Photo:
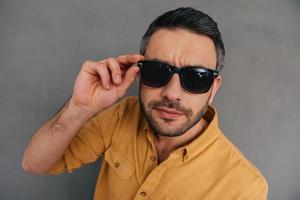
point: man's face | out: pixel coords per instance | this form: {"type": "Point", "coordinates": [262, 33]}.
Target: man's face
{"type": "Point", "coordinates": [170, 110]}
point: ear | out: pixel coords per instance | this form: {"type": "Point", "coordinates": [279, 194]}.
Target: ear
{"type": "Point", "coordinates": [216, 85]}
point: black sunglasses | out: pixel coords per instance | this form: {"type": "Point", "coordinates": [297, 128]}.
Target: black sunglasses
{"type": "Point", "coordinates": [193, 79]}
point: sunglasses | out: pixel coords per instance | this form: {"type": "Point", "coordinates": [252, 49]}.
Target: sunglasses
{"type": "Point", "coordinates": [193, 79]}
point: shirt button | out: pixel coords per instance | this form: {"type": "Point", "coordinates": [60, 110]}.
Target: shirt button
{"type": "Point", "coordinates": [116, 164]}
{"type": "Point", "coordinates": [153, 158]}
{"type": "Point", "coordinates": [143, 193]}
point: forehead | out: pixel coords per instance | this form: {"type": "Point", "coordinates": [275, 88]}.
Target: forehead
{"type": "Point", "coordinates": [181, 47]}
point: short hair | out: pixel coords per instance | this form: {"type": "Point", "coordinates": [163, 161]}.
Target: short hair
{"type": "Point", "coordinates": [192, 20]}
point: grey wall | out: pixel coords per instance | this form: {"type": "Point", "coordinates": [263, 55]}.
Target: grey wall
{"type": "Point", "coordinates": [43, 44]}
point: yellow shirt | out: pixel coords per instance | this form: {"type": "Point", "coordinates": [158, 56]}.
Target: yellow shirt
{"type": "Point", "coordinates": [209, 168]}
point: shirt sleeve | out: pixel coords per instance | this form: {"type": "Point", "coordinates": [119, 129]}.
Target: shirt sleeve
{"type": "Point", "coordinates": [90, 142]}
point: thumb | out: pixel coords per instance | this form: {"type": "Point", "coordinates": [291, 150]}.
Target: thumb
{"type": "Point", "coordinates": [128, 80]}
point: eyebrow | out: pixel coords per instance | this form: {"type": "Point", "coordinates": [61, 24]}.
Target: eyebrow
{"type": "Point", "coordinates": [166, 62]}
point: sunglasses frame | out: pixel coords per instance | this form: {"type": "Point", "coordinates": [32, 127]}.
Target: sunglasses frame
{"type": "Point", "coordinates": [174, 69]}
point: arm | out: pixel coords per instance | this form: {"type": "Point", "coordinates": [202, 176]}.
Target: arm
{"type": "Point", "coordinates": [96, 88]}
{"type": "Point", "coordinates": [50, 141]}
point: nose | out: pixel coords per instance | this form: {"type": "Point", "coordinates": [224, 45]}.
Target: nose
{"type": "Point", "coordinates": [173, 90]}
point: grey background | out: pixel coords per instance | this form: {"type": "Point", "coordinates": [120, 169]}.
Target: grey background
{"type": "Point", "coordinates": [43, 44]}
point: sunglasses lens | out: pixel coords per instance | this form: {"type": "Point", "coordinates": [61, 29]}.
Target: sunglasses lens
{"type": "Point", "coordinates": [193, 79]}
{"type": "Point", "coordinates": [154, 74]}
{"type": "Point", "coordinates": [196, 80]}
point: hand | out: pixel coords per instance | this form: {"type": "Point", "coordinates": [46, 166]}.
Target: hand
{"type": "Point", "coordinates": [100, 84]}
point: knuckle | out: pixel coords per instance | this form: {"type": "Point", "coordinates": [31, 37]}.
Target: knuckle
{"type": "Point", "coordinates": [121, 56]}
{"type": "Point", "coordinates": [111, 60]}
{"type": "Point", "coordinates": [87, 62]}
{"type": "Point", "coordinates": [102, 67]}
{"type": "Point", "coordinates": [114, 65]}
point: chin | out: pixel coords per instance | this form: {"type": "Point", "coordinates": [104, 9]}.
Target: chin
{"type": "Point", "coordinates": [168, 129]}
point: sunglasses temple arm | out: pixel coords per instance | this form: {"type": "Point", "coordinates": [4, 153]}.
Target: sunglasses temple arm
{"type": "Point", "coordinates": [215, 74]}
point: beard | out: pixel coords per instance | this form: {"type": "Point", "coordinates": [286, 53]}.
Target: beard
{"type": "Point", "coordinates": [163, 127]}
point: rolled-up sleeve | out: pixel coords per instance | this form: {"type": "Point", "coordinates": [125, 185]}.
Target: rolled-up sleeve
{"type": "Point", "coordinates": [90, 143]}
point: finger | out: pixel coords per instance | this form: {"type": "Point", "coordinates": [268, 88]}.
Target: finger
{"type": "Point", "coordinates": [102, 70]}
{"type": "Point", "coordinates": [128, 79]}
{"type": "Point", "coordinates": [89, 67]}
{"type": "Point", "coordinates": [129, 59]}
{"type": "Point", "coordinates": [115, 69]}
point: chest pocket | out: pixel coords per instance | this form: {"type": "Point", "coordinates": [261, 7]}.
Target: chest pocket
{"type": "Point", "coordinates": [121, 166]}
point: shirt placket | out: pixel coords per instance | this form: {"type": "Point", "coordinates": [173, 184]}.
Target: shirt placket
{"type": "Point", "coordinates": [149, 185]}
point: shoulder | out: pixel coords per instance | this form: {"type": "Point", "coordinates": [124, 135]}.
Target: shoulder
{"type": "Point", "coordinates": [128, 103]}
{"type": "Point", "coordinates": [125, 113]}
{"type": "Point", "coordinates": [243, 171]}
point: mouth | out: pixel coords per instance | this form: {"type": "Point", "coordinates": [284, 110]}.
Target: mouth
{"type": "Point", "coordinates": [167, 113]}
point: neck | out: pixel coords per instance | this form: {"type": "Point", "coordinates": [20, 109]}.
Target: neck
{"type": "Point", "coordinates": [166, 145]}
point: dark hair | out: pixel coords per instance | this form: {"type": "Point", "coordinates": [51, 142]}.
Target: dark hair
{"type": "Point", "coordinates": [190, 19]}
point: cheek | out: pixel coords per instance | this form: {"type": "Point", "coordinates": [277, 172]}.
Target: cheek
{"type": "Point", "coordinates": [198, 102]}
{"type": "Point", "coordinates": [148, 93]}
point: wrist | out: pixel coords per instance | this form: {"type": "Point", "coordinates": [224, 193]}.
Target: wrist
{"type": "Point", "coordinates": [78, 113]}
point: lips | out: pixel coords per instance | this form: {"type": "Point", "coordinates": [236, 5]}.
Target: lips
{"type": "Point", "coordinates": [167, 113]}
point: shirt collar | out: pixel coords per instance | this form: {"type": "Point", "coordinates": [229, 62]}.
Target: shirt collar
{"type": "Point", "coordinates": [201, 142]}
{"type": "Point", "coordinates": [206, 137]}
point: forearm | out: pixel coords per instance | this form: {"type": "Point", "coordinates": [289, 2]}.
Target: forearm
{"type": "Point", "coordinates": [49, 143]}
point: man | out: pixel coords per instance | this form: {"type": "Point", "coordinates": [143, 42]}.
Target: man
{"type": "Point", "coordinates": [164, 145]}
